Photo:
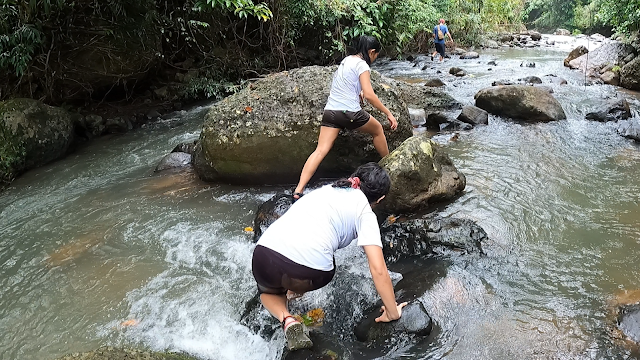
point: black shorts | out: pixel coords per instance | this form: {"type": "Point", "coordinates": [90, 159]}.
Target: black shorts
{"type": "Point", "coordinates": [440, 48]}
{"type": "Point", "coordinates": [342, 119]}
{"type": "Point", "coordinates": [275, 273]}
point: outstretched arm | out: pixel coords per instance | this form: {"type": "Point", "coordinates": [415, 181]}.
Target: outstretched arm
{"type": "Point", "coordinates": [391, 310]}
{"type": "Point", "coordinates": [449, 33]}
{"type": "Point", "coordinates": [372, 98]}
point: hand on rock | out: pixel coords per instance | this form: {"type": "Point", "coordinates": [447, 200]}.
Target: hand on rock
{"type": "Point", "coordinates": [385, 314]}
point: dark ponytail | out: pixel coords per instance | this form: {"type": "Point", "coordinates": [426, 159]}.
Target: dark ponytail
{"type": "Point", "coordinates": [362, 45]}
{"type": "Point", "coordinates": [374, 181]}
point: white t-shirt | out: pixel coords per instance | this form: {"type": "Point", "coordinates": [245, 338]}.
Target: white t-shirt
{"type": "Point", "coordinates": [321, 222]}
{"type": "Point", "coordinates": [345, 88]}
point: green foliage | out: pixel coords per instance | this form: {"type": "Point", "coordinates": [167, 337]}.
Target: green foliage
{"type": "Point", "coordinates": [550, 14]}
{"type": "Point", "coordinates": [209, 87]}
{"type": "Point", "coordinates": [624, 16]}
{"type": "Point", "coordinates": [241, 8]}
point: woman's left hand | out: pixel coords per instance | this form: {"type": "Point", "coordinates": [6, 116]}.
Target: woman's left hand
{"type": "Point", "coordinates": [392, 121]}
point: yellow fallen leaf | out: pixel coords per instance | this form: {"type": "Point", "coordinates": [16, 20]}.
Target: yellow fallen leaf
{"type": "Point", "coordinates": [248, 229]}
{"type": "Point", "coordinates": [391, 219]}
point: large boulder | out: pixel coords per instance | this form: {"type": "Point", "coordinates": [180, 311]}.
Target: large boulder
{"type": "Point", "coordinates": [265, 132]}
{"type": "Point", "coordinates": [424, 97]}
{"type": "Point", "coordinates": [32, 134]}
{"type": "Point", "coordinates": [520, 102]}
{"type": "Point", "coordinates": [610, 54]}
{"type": "Point", "coordinates": [630, 75]}
{"type": "Point", "coordinates": [629, 322]}
{"type": "Point", "coordinates": [421, 174]}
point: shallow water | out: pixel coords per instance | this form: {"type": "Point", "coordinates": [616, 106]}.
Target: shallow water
{"type": "Point", "coordinates": [96, 239]}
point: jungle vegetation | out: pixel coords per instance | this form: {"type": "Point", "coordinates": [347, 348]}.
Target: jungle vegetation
{"type": "Point", "coordinates": [228, 40]}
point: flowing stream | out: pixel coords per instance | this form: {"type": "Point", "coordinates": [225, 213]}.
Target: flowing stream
{"type": "Point", "coordinates": [97, 250]}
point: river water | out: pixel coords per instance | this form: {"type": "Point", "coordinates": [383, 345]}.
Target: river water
{"type": "Point", "coordinates": [95, 250]}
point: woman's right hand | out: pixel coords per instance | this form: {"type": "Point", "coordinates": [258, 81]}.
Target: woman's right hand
{"type": "Point", "coordinates": [392, 121]}
{"type": "Point", "coordinates": [385, 314]}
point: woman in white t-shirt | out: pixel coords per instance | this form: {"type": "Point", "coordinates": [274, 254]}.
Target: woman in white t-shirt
{"type": "Point", "coordinates": [351, 83]}
{"type": "Point", "coordinates": [295, 254]}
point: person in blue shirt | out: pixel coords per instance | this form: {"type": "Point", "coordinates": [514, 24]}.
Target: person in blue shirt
{"type": "Point", "coordinates": [440, 42]}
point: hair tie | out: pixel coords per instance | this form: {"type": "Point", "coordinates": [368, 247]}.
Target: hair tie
{"type": "Point", "coordinates": [355, 182]}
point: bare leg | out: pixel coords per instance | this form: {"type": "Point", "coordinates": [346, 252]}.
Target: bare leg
{"type": "Point", "coordinates": [374, 128]}
{"type": "Point", "coordinates": [276, 304]}
{"type": "Point", "coordinates": [326, 139]}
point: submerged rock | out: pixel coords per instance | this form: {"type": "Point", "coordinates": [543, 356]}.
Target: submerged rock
{"type": "Point", "coordinates": [110, 353]}
{"type": "Point", "coordinates": [174, 160]}
{"type": "Point", "coordinates": [421, 174]}
{"type": "Point", "coordinates": [431, 236]}
{"type": "Point", "coordinates": [265, 132]}
{"type": "Point", "coordinates": [415, 320]}
{"type": "Point", "coordinates": [268, 212]}
{"type": "Point", "coordinates": [520, 102]}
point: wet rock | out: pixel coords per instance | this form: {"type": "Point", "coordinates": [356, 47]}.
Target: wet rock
{"type": "Point", "coordinates": [608, 54]}
{"type": "Point", "coordinates": [630, 129]}
{"type": "Point", "coordinates": [431, 236]}
{"type": "Point", "coordinates": [535, 36]}
{"type": "Point", "coordinates": [415, 320]}
{"type": "Point", "coordinates": [492, 62]}
{"type": "Point", "coordinates": [435, 120]}
{"type": "Point", "coordinates": [556, 80]}
{"type": "Point", "coordinates": [506, 38]}
{"type": "Point", "coordinates": [574, 54]}
{"type": "Point", "coordinates": [325, 347]}
{"type": "Point", "coordinates": [528, 64]}
{"type": "Point", "coordinates": [265, 132]}
{"type": "Point", "coordinates": [270, 211]}
{"type": "Point", "coordinates": [520, 102]}
{"type": "Point", "coordinates": [531, 80]}
{"type": "Point", "coordinates": [94, 124]}
{"type": "Point", "coordinates": [110, 353]}
{"type": "Point", "coordinates": [474, 115]}
{"type": "Point", "coordinates": [33, 134]}
{"type": "Point", "coordinates": [470, 55]}
{"type": "Point", "coordinates": [424, 97]}
{"type": "Point", "coordinates": [614, 111]}
{"type": "Point", "coordinates": [629, 322]}
{"type": "Point", "coordinates": [456, 71]}
{"type": "Point", "coordinates": [502, 83]}
{"type": "Point", "coordinates": [434, 83]}
{"type": "Point", "coordinates": [421, 174]}
{"type": "Point", "coordinates": [455, 125]}
{"type": "Point", "coordinates": [458, 51]}
{"type": "Point", "coordinates": [611, 78]}
{"type": "Point", "coordinates": [630, 75]}
{"type": "Point", "coordinates": [188, 148]}
{"type": "Point", "coordinates": [174, 160]}
{"type": "Point", "coordinates": [563, 32]}
{"type": "Point", "coordinates": [118, 125]}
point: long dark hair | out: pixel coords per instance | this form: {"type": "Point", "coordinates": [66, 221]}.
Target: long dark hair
{"type": "Point", "coordinates": [374, 181]}
{"type": "Point", "coordinates": [362, 45]}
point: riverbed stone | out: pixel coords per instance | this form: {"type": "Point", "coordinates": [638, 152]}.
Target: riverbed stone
{"type": "Point", "coordinates": [520, 102]}
{"type": "Point", "coordinates": [415, 320]}
{"type": "Point", "coordinates": [563, 32]}
{"type": "Point", "coordinates": [33, 134]}
{"type": "Point", "coordinates": [612, 53]}
{"type": "Point", "coordinates": [531, 80]}
{"type": "Point", "coordinates": [424, 97]}
{"type": "Point", "coordinates": [435, 82]}
{"type": "Point", "coordinates": [431, 236]}
{"type": "Point", "coordinates": [613, 111]}
{"type": "Point", "coordinates": [422, 174]}
{"type": "Point", "coordinates": [264, 133]}
{"type": "Point", "coordinates": [469, 55]}
{"type": "Point", "coordinates": [575, 53]}
{"type": "Point", "coordinates": [474, 115]}
{"type": "Point", "coordinates": [630, 75]}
